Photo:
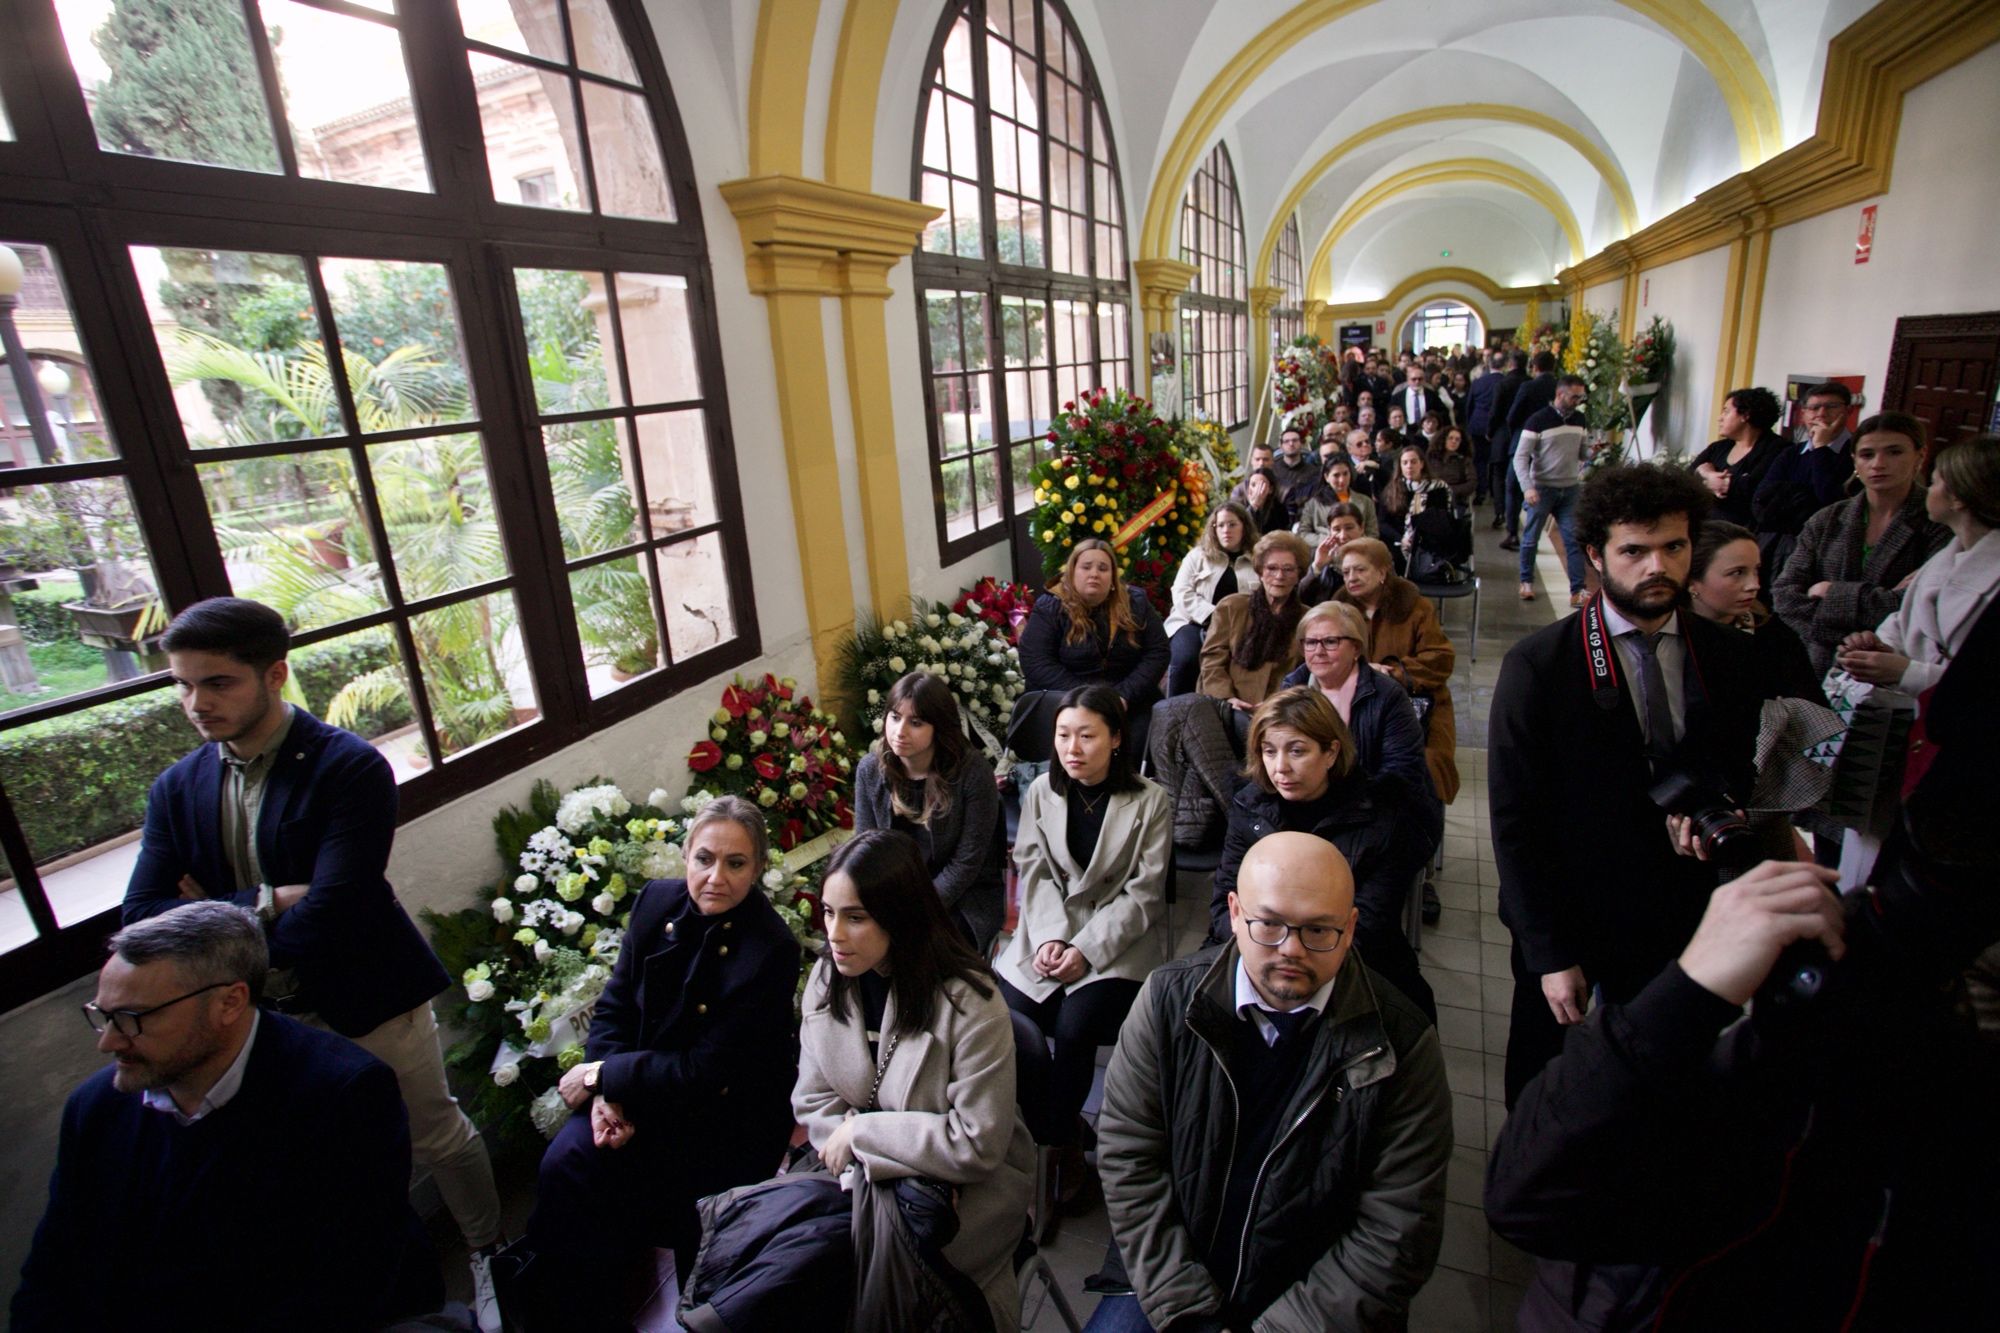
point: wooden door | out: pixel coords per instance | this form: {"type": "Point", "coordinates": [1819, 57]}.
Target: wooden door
{"type": "Point", "coordinates": [1942, 370]}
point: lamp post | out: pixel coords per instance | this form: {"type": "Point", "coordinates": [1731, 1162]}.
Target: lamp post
{"type": "Point", "coordinates": [12, 276]}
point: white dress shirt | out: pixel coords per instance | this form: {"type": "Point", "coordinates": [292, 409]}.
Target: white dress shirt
{"type": "Point", "coordinates": [219, 1096]}
{"type": "Point", "coordinates": [1672, 652]}
{"type": "Point", "coordinates": [1249, 1004]}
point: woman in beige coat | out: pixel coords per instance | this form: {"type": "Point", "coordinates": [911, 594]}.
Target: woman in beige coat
{"type": "Point", "coordinates": [1251, 642]}
{"type": "Point", "coordinates": [906, 1057]}
{"type": "Point", "coordinates": [1092, 859]}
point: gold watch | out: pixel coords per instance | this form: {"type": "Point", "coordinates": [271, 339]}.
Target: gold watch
{"type": "Point", "coordinates": [590, 1073]}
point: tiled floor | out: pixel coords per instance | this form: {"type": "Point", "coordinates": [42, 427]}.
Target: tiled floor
{"type": "Point", "coordinates": [1478, 1282]}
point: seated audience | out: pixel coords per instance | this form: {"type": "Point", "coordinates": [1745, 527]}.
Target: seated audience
{"type": "Point", "coordinates": [302, 835]}
{"type": "Point", "coordinates": [1305, 776]}
{"type": "Point", "coordinates": [906, 1060]}
{"type": "Point", "coordinates": [1367, 467]}
{"type": "Point", "coordinates": [1409, 493]}
{"type": "Point", "coordinates": [1311, 1197]}
{"type": "Point", "coordinates": [1250, 644]}
{"type": "Point", "coordinates": [1912, 647]}
{"type": "Point", "coordinates": [1388, 735]}
{"type": "Point", "coordinates": [927, 781]}
{"type": "Point", "coordinates": [1264, 501]}
{"type": "Point", "coordinates": [1734, 466]}
{"type": "Point", "coordinates": [1723, 582]}
{"type": "Point", "coordinates": [1216, 568]}
{"type": "Point", "coordinates": [1805, 478]}
{"type": "Point", "coordinates": [1092, 859]}
{"type": "Point", "coordinates": [231, 1169]}
{"type": "Point", "coordinates": [1260, 456]}
{"type": "Point", "coordinates": [1295, 463]}
{"type": "Point", "coordinates": [1335, 488]}
{"type": "Point", "coordinates": [1854, 560]}
{"type": "Point", "coordinates": [1452, 462]}
{"type": "Point", "coordinates": [1407, 642]}
{"type": "Point", "coordinates": [690, 1043]}
{"type": "Point", "coordinates": [1343, 525]}
{"type": "Point", "coordinates": [1094, 630]}
{"type": "Point", "coordinates": [1429, 427]}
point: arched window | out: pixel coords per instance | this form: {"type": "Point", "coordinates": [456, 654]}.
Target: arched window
{"type": "Point", "coordinates": [1022, 282]}
{"type": "Point", "coordinates": [1215, 311]}
{"type": "Point", "coordinates": [398, 318]}
{"type": "Point", "coordinates": [1288, 317]}
{"type": "Point", "coordinates": [1442, 324]}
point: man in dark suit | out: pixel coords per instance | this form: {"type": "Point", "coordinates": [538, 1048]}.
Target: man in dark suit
{"type": "Point", "coordinates": [1529, 399]}
{"type": "Point", "coordinates": [1479, 421]}
{"type": "Point", "coordinates": [232, 1169]}
{"type": "Point", "coordinates": [292, 818]}
{"type": "Point", "coordinates": [1414, 398]}
{"type": "Point", "coordinates": [1499, 453]}
{"type": "Point", "coordinates": [1587, 715]}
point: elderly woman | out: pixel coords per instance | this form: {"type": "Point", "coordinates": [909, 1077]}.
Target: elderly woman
{"type": "Point", "coordinates": [1322, 581]}
{"type": "Point", "coordinates": [1093, 630]}
{"type": "Point", "coordinates": [1336, 488]}
{"type": "Point", "coordinates": [1406, 642]}
{"type": "Point", "coordinates": [1218, 567]}
{"type": "Point", "coordinates": [1388, 737]}
{"type": "Point", "coordinates": [1250, 644]}
{"type": "Point", "coordinates": [1092, 857]}
{"type": "Point", "coordinates": [1854, 559]}
{"type": "Point", "coordinates": [1304, 778]}
{"type": "Point", "coordinates": [691, 1042]}
{"type": "Point", "coordinates": [926, 781]}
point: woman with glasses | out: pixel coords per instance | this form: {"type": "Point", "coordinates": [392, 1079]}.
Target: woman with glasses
{"type": "Point", "coordinates": [1304, 778]}
{"type": "Point", "coordinates": [1388, 737]}
{"type": "Point", "coordinates": [1250, 645]}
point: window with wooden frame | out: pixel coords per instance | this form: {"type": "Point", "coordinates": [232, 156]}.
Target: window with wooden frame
{"type": "Point", "coordinates": [1215, 310]}
{"type": "Point", "coordinates": [402, 322]}
{"type": "Point", "coordinates": [1021, 282]}
{"type": "Point", "coordinates": [1288, 317]}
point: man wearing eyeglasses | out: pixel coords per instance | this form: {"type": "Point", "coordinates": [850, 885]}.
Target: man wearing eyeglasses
{"type": "Point", "coordinates": [1276, 1122]}
{"type": "Point", "coordinates": [1806, 477]}
{"type": "Point", "coordinates": [231, 1169]}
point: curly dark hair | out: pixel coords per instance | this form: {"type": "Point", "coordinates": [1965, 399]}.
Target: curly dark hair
{"type": "Point", "coordinates": [1759, 407]}
{"type": "Point", "coordinates": [1637, 493]}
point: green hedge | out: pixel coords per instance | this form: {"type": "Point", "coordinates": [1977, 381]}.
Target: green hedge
{"type": "Point", "coordinates": [40, 614]}
{"type": "Point", "coordinates": [75, 781]}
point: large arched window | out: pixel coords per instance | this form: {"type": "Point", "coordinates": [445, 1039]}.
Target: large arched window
{"type": "Point", "coordinates": [1021, 283]}
{"type": "Point", "coordinates": [1288, 317]}
{"type": "Point", "coordinates": [396, 317]}
{"type": "Point", "coordinates": [1215, 311]}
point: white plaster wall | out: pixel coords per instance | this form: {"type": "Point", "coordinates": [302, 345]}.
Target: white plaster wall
{"type": "Point", "coordinates": [1605, 297]}
{"type": "Point", "coordinates": [1689, 294]}
{"type": "Point", "coordinates": [1933, 252]}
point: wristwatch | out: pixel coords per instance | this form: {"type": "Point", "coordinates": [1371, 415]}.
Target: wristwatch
{"type": "Point", "coordinates": [590, 1072]}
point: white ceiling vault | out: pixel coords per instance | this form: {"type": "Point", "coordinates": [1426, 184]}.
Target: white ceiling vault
{"type": "Point", "coordinates": [1520, 135]}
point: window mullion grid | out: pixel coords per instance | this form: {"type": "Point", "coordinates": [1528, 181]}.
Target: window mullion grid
{"type": "Point", "coordinates": [637, 463]}
{"type": "Point", "coordinates": [274, 98]}
{"type": "Point", "coordinates": [371, 505]}
{"type": "Point", "coordinates": [27, 875]}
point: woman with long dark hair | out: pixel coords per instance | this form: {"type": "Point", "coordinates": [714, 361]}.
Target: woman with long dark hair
{"type": "Point", "coordinates": [1724, 578]}
{"type": "Point", "coordinates": [1094, 630]}
{"type": "Point", "coordinates": [1092, 859]}
{"type": "Point", "coordinates": [1451, 462]}
{"type": "Point", "coordinates": [906, 1059]}
{"type": "Point", "coordinates": [927, 781]}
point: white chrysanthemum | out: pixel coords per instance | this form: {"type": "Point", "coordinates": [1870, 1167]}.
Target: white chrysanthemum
{"type": "Point", "coordinates": [503, 910]}
{"type": "Point", "coordinates": [664, 860]}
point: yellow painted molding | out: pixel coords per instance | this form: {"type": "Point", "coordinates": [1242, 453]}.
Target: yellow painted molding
{"type": "Point", "coordinates": [1628, 303]}
{"type": "Point", "coordinates": [1450, 171]}
{"type": "Point", "coordinates": [1463, 277]}
{"type": "Point", "coordinates": [787, 210]}
{"type": "Point", "coordinates": [1317, 320]}
{"type": "Point", "coordinates": [865, 30]}
{"type": "Point", "coordinates": [1607, 169]}
{"type": "Point", "coordinates": [865, 340]}
{"type": "Point", "coordinates": [1870, 67]}
{"type": "Point", "coordinates": [1161, 282]}
{"type": "Point", "coordinates": [1693, 24]}
{"type": "Point", "coordinates": [1401, 316]}
{"type": "Point", "coordinates": [1742, 306]}
{"type": "Point", "coordinates": [1263, 300]}
{"type": "Point", "coordinates": [778, 65]}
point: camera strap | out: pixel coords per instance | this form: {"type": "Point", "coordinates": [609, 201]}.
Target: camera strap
{"type": "Point", "coordinates": [1601, 658]}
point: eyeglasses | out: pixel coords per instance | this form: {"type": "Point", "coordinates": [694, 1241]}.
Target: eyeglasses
{"type": "Point", "coordinates": [1326, 645]}
{"type": "Point", "coordinates": [1271, 935]}
{"type": "Point", "coordinates": [1277, 570]}
{"type": "Point", "coordinates": [127, 1020]}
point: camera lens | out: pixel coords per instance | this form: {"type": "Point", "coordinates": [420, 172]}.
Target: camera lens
{"type": "Point", "coordinates": [1726, 838]}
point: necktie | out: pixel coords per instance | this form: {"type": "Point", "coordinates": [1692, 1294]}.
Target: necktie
{"type": "Point", "coordinates": [1289, 1025]}
{"type": "Point", "coordinates": [1653, 683]}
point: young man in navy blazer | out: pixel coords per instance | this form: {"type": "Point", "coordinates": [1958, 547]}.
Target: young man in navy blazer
{"type": "Point", "coordinates": [232, 1168]}
{"type": "Point", "coordinates": [292, 818]}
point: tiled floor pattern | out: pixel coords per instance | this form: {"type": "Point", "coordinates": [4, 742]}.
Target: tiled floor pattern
{"type": "Point", "coordinates": [1477, 1285]}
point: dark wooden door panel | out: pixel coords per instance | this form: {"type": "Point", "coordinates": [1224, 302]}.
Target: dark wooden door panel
{"type": "Point", "coordinates": [1942, 370]}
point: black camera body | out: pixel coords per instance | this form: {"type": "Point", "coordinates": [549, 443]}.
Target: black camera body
{"type": "Point", "coordinates": [1724, 835]}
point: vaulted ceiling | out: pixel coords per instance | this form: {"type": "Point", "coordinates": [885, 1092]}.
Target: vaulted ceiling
{"type": "Point", "coordinates": [1519, 135]}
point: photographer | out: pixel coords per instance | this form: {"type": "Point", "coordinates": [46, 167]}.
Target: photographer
{"type": "Point", "coordinates": [1589, 717]}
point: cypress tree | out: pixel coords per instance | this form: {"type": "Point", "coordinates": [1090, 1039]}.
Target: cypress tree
{"type": "Point", "coordinates": [184, 84]}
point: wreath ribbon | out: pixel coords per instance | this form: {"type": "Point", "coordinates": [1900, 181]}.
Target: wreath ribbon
{"type": "Point", "coordinates": [1146, 517]}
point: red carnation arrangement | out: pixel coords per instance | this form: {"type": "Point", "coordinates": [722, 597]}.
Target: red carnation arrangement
{"type": "Point", "coordinates": [769, 744]}
{"type": "Point", "coordinates": [1001, 604]}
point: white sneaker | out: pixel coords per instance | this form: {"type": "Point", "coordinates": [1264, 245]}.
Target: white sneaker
{"type": "Point", "coordinates": [485, 1303]}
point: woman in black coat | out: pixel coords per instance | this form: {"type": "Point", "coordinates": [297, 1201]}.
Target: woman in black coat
{"type": "Point", "coordinates": [686, 1086]}
{"type": "Point", "coordinates": [1304, 778]}
{"type": "Point", "coordinates": [1734, 466]}
{"type": "Point", "coordinates": [1093, 630]}
{"type": "Point", "coordinates": [928, 782]}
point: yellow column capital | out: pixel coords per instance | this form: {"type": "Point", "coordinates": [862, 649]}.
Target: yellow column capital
{"type": "Point", "coordinates": [1319, 318]}
{"type": "Point", "coordinates": [1263, 300]}
{"type": "Point", "coordinates": [1161, 282]}
{"type": "Point", "coordinates": [790, 216]}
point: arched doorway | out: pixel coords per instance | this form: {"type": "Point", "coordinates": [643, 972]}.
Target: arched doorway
{"type": "Point", "coordinates": [1441, 323]}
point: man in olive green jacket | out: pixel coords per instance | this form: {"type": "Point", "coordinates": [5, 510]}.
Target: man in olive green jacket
{"type": "Point", "coordinates": [1276, 1123]}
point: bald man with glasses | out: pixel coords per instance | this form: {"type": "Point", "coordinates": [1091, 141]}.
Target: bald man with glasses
{"type": "Point", "coordinates": [1276, 1122]}
{"type": "Point", "coordinates": [230, 1168]}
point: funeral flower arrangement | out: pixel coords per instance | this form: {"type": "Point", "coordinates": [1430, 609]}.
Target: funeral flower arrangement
{"type": "Point", "coordinates": [1596, 354]}
{"type": "Point", "coordinates": [1305, 376]}
{"type": "Point", "coordinates": [1652, 360]}
{"type": "Point", "coordinates": [1001, 604]}
{"type": "Point", "coordinates": [972, 656]}
{"type": "Point", "coordinates": [1118, 474]}
{"type": "Point", "coordinates": [769, 744]}
{"type": "Point", "coordinates": [534, 957]}
{"type": "Point", "coordinates": [1206, 442]}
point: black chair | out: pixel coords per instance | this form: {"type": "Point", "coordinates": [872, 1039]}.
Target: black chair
{"type": "Point", "coordinates": [1032, 1065]}
{"type": "Point", "coordinates": [1441, 593]}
